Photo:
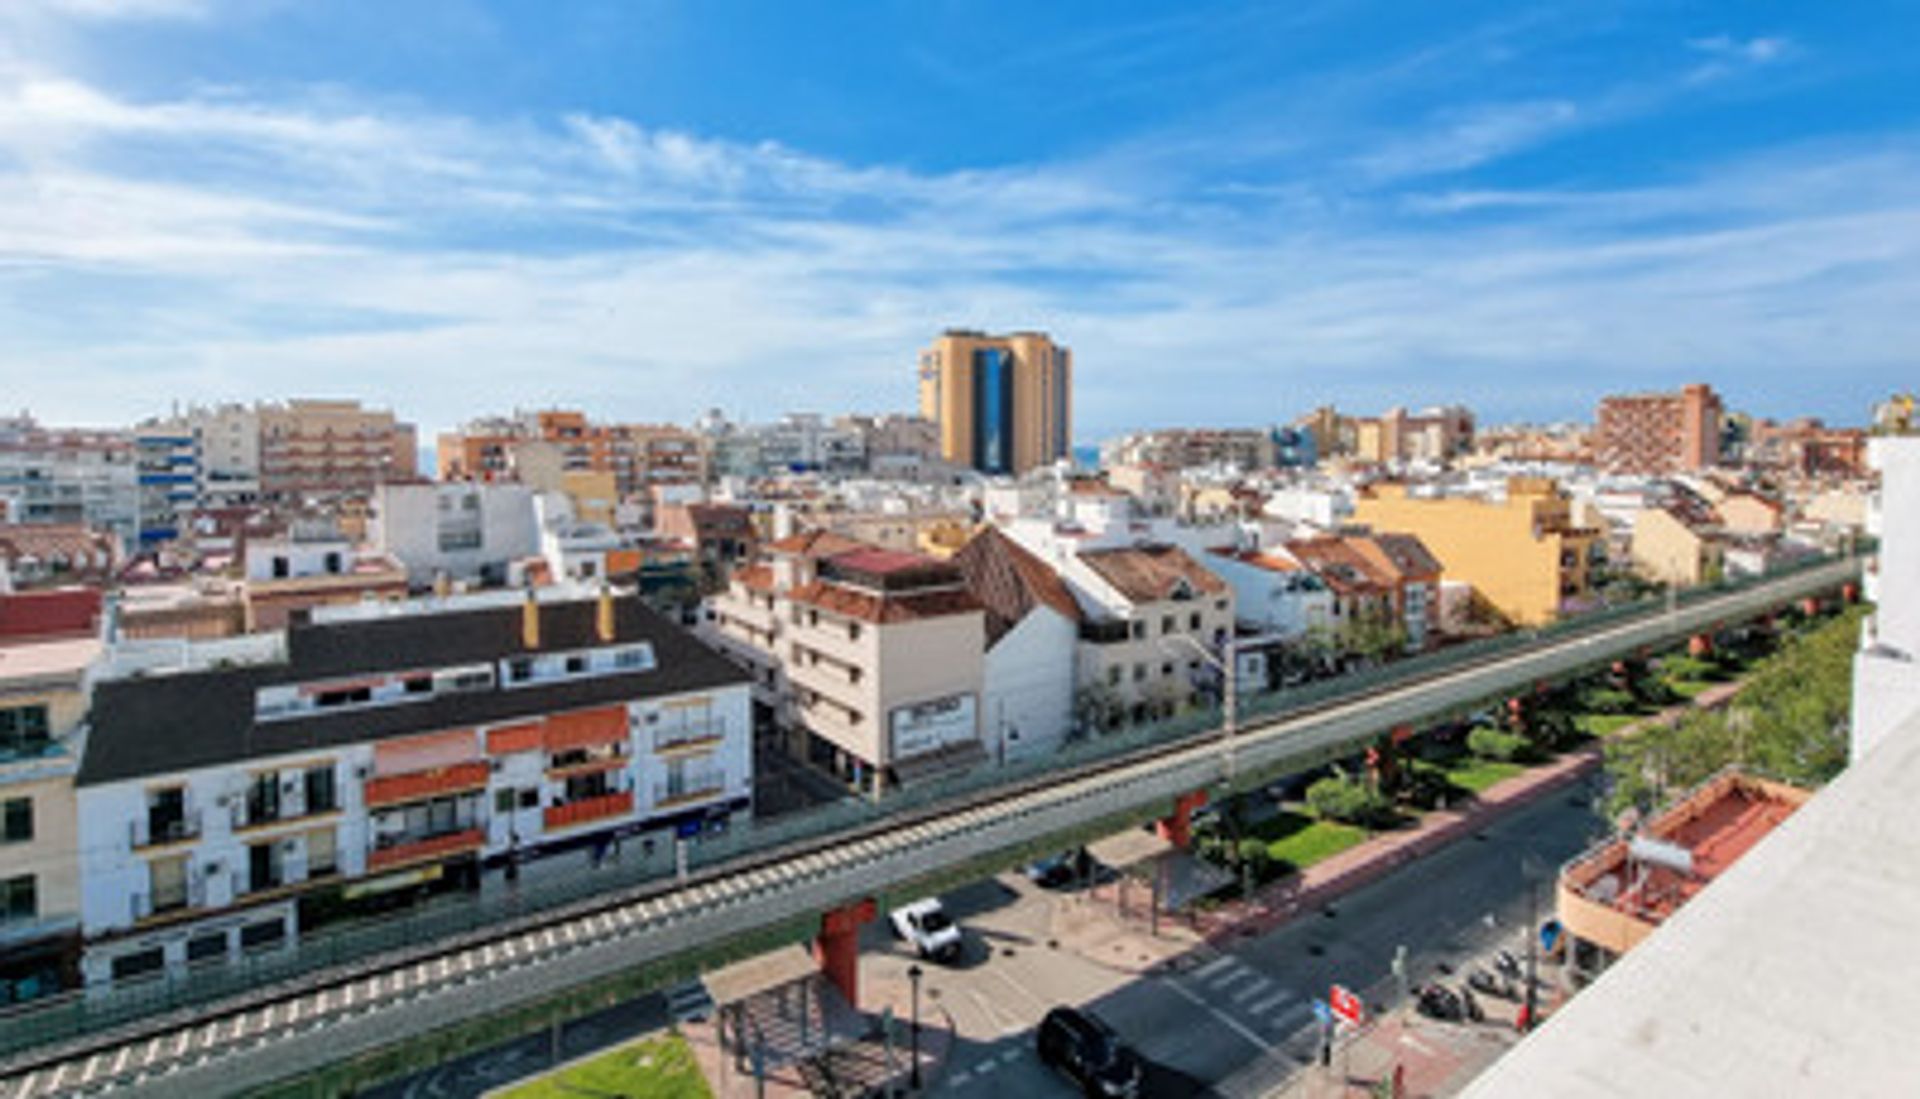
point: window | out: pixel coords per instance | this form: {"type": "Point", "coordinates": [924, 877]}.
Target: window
{"type": "Point", "coordinates": [1166, 670]}
{"type": "Point", "coordinates": [1139, 630]}
{"type": "Point", "coordinates": [263, 866]}
{"type": "Point", "coordinates": [167, 815]}
{"type": "Point", "coordinates": [322, 853]}
{"type": "Point", "coordinates": [1193, 621]}
{"type": "Point", "coordinates": [503, 801]}
{"type": "Point", "coordinates": [23, 729]}
{"type": "Point", "coordinates": [418, 684]}
{"type": "Point", "coordinates": [16, 820]}
{"type": "Point", "coordinates": [576, 664]}
{"type": "Point", "coordinates": [167, 883]}
{"type": "Point", "coordinates": [1113, 676]}
{"type": "Point", "coordinates": [530, 798]}
{"type": "Point", "coordinates": [520, 669]}
{"type": "Point", "coordinates": [321, 796]}
{"type": "Point", "coordinates": [347, 697]}
{"type": "Point", "coordinates": [853, 631]}
{"type": "Point", "coordinates": [206, 948]}
{"type": "Point", "coordinates": [1139, 673]}
{"type": "Point", "coordinates": [1166, 623]}
{"type": "Point", "coordinates": [263, 798]}
{"type": "Point", "coordinates": [19, 899]}
{"type": "Point", "coordinates": [263, 934]}
{"type": "Point", "coordinates": [139, 964]}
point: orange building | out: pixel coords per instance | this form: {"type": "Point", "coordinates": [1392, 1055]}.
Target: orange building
{"type": "Point", "coordinates": [1660, 432]}
{"type": "Point", "coordinates": [638, 455]}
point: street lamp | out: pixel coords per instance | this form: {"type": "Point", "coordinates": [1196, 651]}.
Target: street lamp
{"type": "Point", "coordinates": [1534, 870]}
{"type": "Point", "coordinates": [913, 1077]}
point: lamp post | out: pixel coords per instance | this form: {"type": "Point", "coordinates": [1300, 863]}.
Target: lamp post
{"type": "Point", "coordinates": [913, 1032]}
{"type": "Point", "coordinates": [1534, 870]}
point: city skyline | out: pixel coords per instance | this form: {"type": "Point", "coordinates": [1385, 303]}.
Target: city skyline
{"type": "Point", "coordinates": [1232, 215]}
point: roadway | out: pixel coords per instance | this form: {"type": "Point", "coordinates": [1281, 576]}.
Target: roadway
{"type": "Point", "coordinates": [1237, 1023]}
{"type": "Point", "coordinates": [320, 1022]}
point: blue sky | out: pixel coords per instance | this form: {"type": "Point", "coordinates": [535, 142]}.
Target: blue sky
{"type": "Point", "coordinates": [1232, 212]}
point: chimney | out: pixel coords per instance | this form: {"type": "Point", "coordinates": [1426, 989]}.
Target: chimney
{"type": "Point", "coordinates": [603, 617]}
{"type": "Point", "coordinates": [530, 621]}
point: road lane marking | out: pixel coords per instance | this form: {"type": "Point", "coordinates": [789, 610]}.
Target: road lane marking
{"type": "Point", "coordinates": [1224, 959]}
{"type": "Point", "coordinates": [1232, 1023]}
{"type": "Point", "coordinates": [1219, 984]}
{"type": "Point", "coordinates": [1293, 1017]}
{"type": "Point", "coordinates": [1271, 1002]}
{"type": "Point", "coordinates": [1259, 985]}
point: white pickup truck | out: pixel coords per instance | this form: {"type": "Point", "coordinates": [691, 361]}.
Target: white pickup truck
{"type": "Point", "coordinates": [926, 925]}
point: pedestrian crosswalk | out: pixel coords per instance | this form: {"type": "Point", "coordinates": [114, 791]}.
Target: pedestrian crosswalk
{"type": "Point", "coordinates": [1229, 985]}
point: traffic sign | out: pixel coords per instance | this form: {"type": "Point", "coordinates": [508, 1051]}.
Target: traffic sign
{"type": "Point", "coordinates": [1346, 1005]}
{"type": "Point", "coordinates": [1321, 1011]}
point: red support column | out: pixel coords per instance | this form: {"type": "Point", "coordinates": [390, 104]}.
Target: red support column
{"type": "Point", "coordinates": [1699, 645]}
{"type": "Point", "coordinates": [1177, 829]}
{"type": "Point", "coordinates": [1810, 606]}
{"type": "Point", "coordinates": [1850, 594]}
{"type": "Point", "coordinates": [837, 950]}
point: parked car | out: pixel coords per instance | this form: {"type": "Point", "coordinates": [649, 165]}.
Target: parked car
{"type": "Point", "coordinates": [929, 929]}
{"type": "Point", "coordinates": [1088, 1052]}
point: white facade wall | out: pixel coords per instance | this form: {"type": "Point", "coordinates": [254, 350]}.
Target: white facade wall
{"type": "Point", "coordinates": [1886, 677]}
{"type": "Point", "coordinates": [115, 876]}
{"type": "Point", "coordinates": [1270, 601]}
{"type": "Point", "coordinates": [464, 530]}
{"type": "Point", "coordinates": [1029, 686]}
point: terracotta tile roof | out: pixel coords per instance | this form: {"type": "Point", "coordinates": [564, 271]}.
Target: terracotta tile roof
{"type": "Point", "coordinates": [868, 606]}
{"type": "Point", "coordinates": [1149, 574]}
{"type": "Point", "coordinates": [1403, 554]}
{"type": "Point", "coordinates": [882, 561]}
{"type": "Point", "coordinates": [1010, 582]}
{"type": "Point", "coordinates": [47, 542]}
{"type": "Point", "coordinates": [755, 577]}
{"type": "Point", "coordinates": [1270, 562]}
{"type": "Point", "coordinates": [1345, 569]}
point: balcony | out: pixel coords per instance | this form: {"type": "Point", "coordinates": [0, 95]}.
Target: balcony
{"type": "Point", "coordinates": [155, 830]}
{"type": "Point", "coordinates": [690, 788]}
{"type": "Point", "coordinates": [422, 848]}
{"type": "Point", "coordinates": [395, 789]}
{"type": "Point", "coordinates": [587, 810]}
{"type": "Point", "coordinates": [668, 737]}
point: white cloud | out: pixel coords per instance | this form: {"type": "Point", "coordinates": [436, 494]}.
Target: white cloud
{"type": "Point", "coordinates": [121, 9]}
{"type": "Point", "coordinates": [1729, 55]}
{"type": "Point", "coordinates": [451, 266]}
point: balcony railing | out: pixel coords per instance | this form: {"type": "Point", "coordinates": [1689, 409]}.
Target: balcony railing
{"type": "Point", "coordinates": [395, 789]}
{"type": "Point", "coordinates": [420, 848]}
{"type": "Point", "coordinates": [588, 809]}
{"type": "Point", "coordinates": [666, 737]}
{"type": "Point", "coordinates": [691, 788]}
{"type": "Point", "coordinates": [152, 831]}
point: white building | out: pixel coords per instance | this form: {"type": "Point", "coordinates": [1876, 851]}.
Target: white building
{"type": "Point", "coordinates": [69, 476]}
{"type": "Point", "coordinates": [1273, 592]}
{"type": "Point", "coordinates": [1886, 679]}
{"type": "Point", "coordinates": [1033, 629]}
{"type": "Point", "coordinates": [385, 747]}
{"type": "Point", "coordinates": [465, 530]}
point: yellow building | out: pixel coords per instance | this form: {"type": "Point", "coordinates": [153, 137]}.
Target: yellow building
{"type": "Point", "coordinates": [1002, 404]}
{"type": "Point", "coordinates": [1670, 550]}
{"type": "Point", "coordinates": [1524, 555]}
{"type": "Point", "coordinates": [42, 702]}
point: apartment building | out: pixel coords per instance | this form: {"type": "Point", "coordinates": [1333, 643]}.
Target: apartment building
{"type": "Point", "coordinates": [167, 469]}
{"type": "Point", "coordinates": [1152, 613]}
{"type": "Point", "coordinates": [43, 684]}
{"type": "Point", "coordinates": [1193, 448]}
{"type": "Point", "coordinates": [869, 661]}
{"type": "Point", "coordinates": [1004, 404]}
{"type": "Point", "coordinates": [1274, 593]}
{"type": "Point", "coordinates": [1386, 580]}
{"type": "Point", "coordinates": [637, 455]}
{"type": "Point", "coordinates": [312, 567]}
{"type": "Point", "coordinates": [1433, 436]}
{"type": "Point", "coordinates": [1671, 546]}
{"type": "Point", "coordinates": [233, 798]}
{"type": "Point", "coordinates": [1886, 691]}
{"type": "Point", "coordinates": [69, 476]}
{"type": "Point", "coordinates": [460, 530]}
{"type": "Point", "coordinates": [1521, 550]}
{"type": "Point", "coordinates": [331, 448]}
{"type": "Point", "coordinates": [1659, 432]}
